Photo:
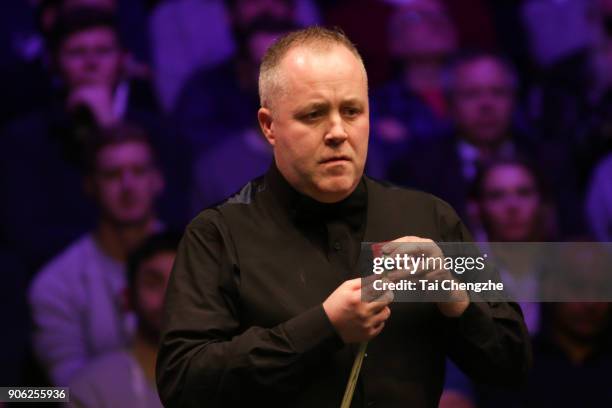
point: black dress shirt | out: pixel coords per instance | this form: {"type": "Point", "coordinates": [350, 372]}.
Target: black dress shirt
{"type": "Point", "coordinates": [244, 323]}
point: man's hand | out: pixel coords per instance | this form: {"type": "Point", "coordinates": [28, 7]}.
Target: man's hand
{"type": "Point", "coordinates": [355, 320]}
{"type": "Point", "coordinates": [458, 300]}
{"type": "Point", "coordinates": [98, 99]}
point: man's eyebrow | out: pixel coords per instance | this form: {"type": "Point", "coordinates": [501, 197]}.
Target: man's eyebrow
{"type": "Point", "coordinates": [312, 106]}
{"type": "Point", "coordinates": [352, 101]}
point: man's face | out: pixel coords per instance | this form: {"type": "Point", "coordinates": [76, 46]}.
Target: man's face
{"type": "Point", "coordinates": [583, 321]}
{"type": "Point", "coordinates": [319, 122]}
{"type": "Point", "coordinates": [90, 57]}
{"type": "Point", "coordinates": [150, 283]}
{"type": "Point", "coordinates": [425, 30]}
{"type": "Point", "coordinates": [126, 182]}
{"type": "Point", "coordinates": [510, 203]}
{"type": "Point", "coordinates": [483, 101]}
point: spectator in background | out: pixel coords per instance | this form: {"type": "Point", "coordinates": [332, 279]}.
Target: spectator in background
{"type": "Point", "coordinates": [194, 35]}
{"type": "Point", "coordinates": [482, 102]}
{"type": "Point", "coordinates": [41, 150]}
{"type": "Point", "coordinates": [599, 201]}
{"type": "Point", "coordinates": [241, 152]}
{"type": "Point", "coordinates": [514, 206]}
{"type": "Point", "coordinates": [574, 97]}
{"type": "Point", "coordinates": [130, 14]}
{"type": "Point", "coordinates": [126, 377]}
{"type": "Point", "coordinates": [555, 28]}
{"type": "Point", "coordinates": [220, 102]}
{"type": "Point", "coordinates": [413, 105]}
{"type": "Point", "coordinates": [572, 360]}
{"type": "Point", "coordinates": [90, 59]}
{"type": "Point", "coordinates": [76, 300]}
{"type": "Point", "coordinates": [512, 203]}
{"type": "Point", "coordinates": [28, 79]}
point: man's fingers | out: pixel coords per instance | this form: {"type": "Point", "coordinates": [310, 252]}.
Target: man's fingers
{"type": "Point", "coordinates": [379, 303]}
{"type": "Point", "coordinates": [409, 245]}
{"type": "Point", "coordinates": [375, 331]}
{"type": "Point", "coordinates": [353, 284]}
{"type": "Point", "coordinates": [381, 316]}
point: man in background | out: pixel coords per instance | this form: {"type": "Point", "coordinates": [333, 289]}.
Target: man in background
{"type": "Point", "coordinates": [482, 103]}
{"type": "Point", "coordinates": [77, 298]}
{"type": "Point", "coordinates": [422, 38]}
{"type": "Point", "coordinates": [126, 377]}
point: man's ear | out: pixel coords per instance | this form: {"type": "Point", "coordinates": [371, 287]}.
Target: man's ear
{"type": "Point", "coordinates": [264, 117]}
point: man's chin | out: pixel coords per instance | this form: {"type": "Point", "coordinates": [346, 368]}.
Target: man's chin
{"type": "Point", "coordinates": [337, 188]}
{"type": "Point", "coordinates": [128, 220]}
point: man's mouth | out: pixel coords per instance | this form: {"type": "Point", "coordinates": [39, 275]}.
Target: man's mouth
{"type": "Point", "coordinates": [335, 159]}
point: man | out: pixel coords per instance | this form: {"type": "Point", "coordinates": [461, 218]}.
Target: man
{"type": "Point", "coordinates": [513, 207]}
{"type": "Point", "coordinates": [88, 55]}
{"type": "Point", "coordinates": [512, 202]}
{"type": "Point", "coordinates": [261, 308]}
{"type": "Point", "coordinates": [92, 93]}
{"type": "Point", "coordinates": [225, 112]}
{"type": "Point", "coordinates": [127, 377]}
{"type": "Point", "coordinates": [598, 203]}
{"type": "Point", "coordinates": [488, 125]}
{"type": "Point", "coordinates": [413, 105]}
{"type": "Point", "coordinates": [482, 99]}
{"type": "Point", "coordinates": [76, 299]}
{"type": "Point", "coordinates": [217, 103]}
{"type": "Point", "coordinates": [571, 357]}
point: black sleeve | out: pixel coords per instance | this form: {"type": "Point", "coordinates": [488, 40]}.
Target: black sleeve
{"type": "Point", "coordinates": [207, 357]}
{"type": "Point", "coordinates": [489, 341]}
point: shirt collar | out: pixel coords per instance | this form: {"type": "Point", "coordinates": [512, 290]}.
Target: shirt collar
{"type": "Point", "coordinates": [304, 209]}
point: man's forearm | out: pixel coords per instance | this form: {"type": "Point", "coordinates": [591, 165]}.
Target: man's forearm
{"type": "Point", "coordinates": [260, 362]}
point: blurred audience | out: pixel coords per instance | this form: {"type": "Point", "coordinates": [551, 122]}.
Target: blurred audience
{"type": "Point", "coordinates": [126, 377]}
{"type": "Point", "coordinates": [215, 181]}
{"type": "Point", "coordinates": [572, 361]}
{"type": "Point", "coordinates": [77, 299]}
{"type": "Point", "coordinates": [222, 101]}
{"type": "Point", "coordinates": [194, 35]}
{"type": "Point", "coordinates": [226, 126]}
{"type": "Point", "coordinates": [555, 28]}
{"type": "Point", "coordinates": [482, 104]}
{"type": "Point", "coordinates": [573, 102]}
{"type": "Point", "coordinates": [599, 201]}
{"type": "Point", "coordinates": [42, 149]}
{"type": "Point", "coordinates": [413, 105]}
{"type": "Point", "coordinates": [90, 59]}
{"type": "Point", "coordinates": [28, 78]}
{"type": "Point", "coordinates": [187, 35]}
{"type": "Point", "coordinates": [512, 204]}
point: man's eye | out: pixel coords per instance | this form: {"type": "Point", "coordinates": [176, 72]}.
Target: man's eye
{"type": "Point", "coordinates": [495, 195]}
{"type": "Point", "coordinates": [312, 115]}
{"type": "Point", "coordinates": [351, 112]}
{"type": "Point", "coordinates": [111, 174]}
{"type": "Point", "coordinates": [75, 52]}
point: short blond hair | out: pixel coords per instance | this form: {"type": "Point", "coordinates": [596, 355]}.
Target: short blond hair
{"type": "Point", "coordinates": [315, 37]}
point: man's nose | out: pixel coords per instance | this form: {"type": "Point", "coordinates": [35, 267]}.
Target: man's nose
{"type": "Point", "coordinates": [91, 61]}
{"type": "Point", "coordinates": [127, 179]}
{"type": "Point", "coordinates": [513, 205]}
{"type": "Point", "coordinates": [336, 134]}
